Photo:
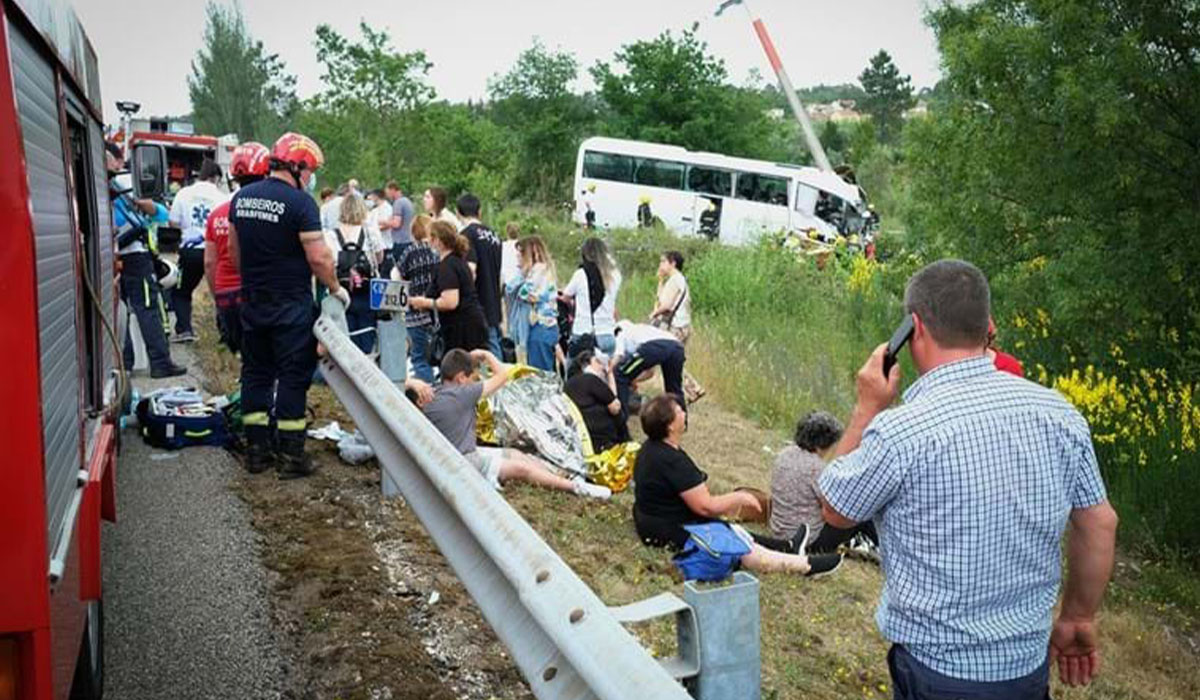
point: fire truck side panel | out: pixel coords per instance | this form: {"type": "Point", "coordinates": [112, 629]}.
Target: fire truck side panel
{"type": "Point", "coordinates": [37, 107]}
{"type": "Point", "coordinates": [22, 505]}
{"type": "Point", "coordinates": [24, 556]}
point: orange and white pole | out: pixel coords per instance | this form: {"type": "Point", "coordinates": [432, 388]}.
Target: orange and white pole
{"type": "Point", "coordinates": [785, 83]}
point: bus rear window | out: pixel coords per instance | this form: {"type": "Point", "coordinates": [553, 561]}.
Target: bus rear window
{"type": "Point", "coordinates": [659, 173]}
{"type": "Point", "coordinates": [710, 181]}
{"type": "Point", "coordinates": [607, 166]}
{"type": "Point", "coordinates": [762, 188]}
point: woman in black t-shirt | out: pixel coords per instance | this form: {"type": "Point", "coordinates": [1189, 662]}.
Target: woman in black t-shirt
{"type": "Point", "coordinates": [593, 392]}
{"type": "Point", "coordinates": [670, 492]}
{"type": "Point", "coordinates": [453, 292]}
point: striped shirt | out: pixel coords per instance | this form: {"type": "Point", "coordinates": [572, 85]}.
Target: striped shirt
{"type": "Point", "coordinates": [971, 482]}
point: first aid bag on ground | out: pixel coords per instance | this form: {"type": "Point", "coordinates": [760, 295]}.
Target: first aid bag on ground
{"type": "Point", "coordinates": [711, 552]}
{"type": "Point", "coordinates": [180, 417]}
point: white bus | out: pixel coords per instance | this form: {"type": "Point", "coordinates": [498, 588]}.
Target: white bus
{"type": "Point", "coordinates": [734, 200]}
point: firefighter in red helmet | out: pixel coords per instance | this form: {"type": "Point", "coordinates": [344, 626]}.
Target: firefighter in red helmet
{"type": "Point", "coordinates": [250, 163]}
{"type": "Point", "coordinates": [276, 242]}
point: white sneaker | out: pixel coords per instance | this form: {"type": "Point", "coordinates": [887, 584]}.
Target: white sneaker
{"type": "Point", "coordinates": [600, 493]}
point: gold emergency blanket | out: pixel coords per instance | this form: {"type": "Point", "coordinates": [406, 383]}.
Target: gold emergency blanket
{"type": "Point", "coordinates": [531, 412]}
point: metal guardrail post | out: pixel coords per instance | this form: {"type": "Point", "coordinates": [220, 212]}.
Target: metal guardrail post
{"type": "Point", "coordinates": [730, 655]}
{"type": "Point", "coordinates": [563, 638]}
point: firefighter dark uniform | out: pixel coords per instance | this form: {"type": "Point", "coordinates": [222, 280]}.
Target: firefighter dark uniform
{"type": "Point", "coordinates": [279, 351]}
{"type": "Point", "coordinates": [140, 289]}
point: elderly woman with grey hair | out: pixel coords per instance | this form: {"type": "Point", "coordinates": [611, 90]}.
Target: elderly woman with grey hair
{"type": "Point", "coordinates": [794, 497]}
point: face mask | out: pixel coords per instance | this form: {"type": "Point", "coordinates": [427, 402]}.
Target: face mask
{"type": "Point", "coordinates": [311, 187]}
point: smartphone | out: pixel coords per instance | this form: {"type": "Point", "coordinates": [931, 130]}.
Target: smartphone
{"type": "Point", "coordinates": [899, 339]}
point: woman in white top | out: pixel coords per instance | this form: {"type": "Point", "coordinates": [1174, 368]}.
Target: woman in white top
{"type": "Point", "coordinates": [355, 233]}
{"type": "Point", "coordinates": [673, 303]}
{"type": "Point", "coordinates": [435, 206]}
{"type": "Point", "coordinates": [596, 279]}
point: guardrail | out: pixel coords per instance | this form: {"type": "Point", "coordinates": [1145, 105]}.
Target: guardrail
{"type": "Point", "coordinates": [566, 642]}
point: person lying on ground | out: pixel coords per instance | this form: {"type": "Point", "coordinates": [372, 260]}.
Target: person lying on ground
{"type": "Point", "coordinates": [973, 479]}
{"type": "Point", "coordinates": [594, 392]}
{"type": "Point", "coordinates": [670, 492]}
{"type": "Point", "coordinates": [452, 411]}
{"type": "Point", "coordinates": [794, 497]}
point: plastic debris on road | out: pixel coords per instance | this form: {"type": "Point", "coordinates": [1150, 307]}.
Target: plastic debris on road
{"type": "Point", "coordinates": [354, 449]}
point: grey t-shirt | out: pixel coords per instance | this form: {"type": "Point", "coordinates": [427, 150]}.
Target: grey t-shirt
{"type": "Point", "coordinates": [794, 493]}
{"type": "Point", "coordinates": [403, 208]}
{"type": "Point", "coordinates": [452, 411]}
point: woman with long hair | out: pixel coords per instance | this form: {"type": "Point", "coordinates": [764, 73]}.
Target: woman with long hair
{"type": "Point", "coordinates": [593, 289]}
{"type": "Point", "coordinates": [537, 283]}
{"type": "Point", "coordinates": [453, 292]}
{"type": "Point", "coordinates": [435, 205]}
{"type": "Point", "coordinates": [358, 249]}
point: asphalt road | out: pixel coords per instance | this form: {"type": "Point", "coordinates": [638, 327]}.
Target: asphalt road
{"type": "Point", "coordinates": [187, 612]}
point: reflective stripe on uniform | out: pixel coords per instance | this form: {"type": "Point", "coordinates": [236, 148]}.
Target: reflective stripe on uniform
{"type": "Point", "coordinates": [257, 418]}
{"type": "Point", "coordinates": [146, 291]}
{"type": "Point", "coordinates": [293, 425]}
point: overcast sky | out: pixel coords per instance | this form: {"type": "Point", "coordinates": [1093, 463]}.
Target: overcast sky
{"type": "Point", "coordinates": [145, 47]}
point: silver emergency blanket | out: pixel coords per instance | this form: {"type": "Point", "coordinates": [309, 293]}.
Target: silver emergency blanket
{"type": "Point", "coordinates": [530, 412]}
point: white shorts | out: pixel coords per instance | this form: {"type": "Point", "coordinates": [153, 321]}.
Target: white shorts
{"type": "Point", "coordinates": [487, 460]}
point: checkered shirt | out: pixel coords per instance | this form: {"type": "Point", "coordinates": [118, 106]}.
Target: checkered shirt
{"type": "Point", "coordinates": [971, 481]}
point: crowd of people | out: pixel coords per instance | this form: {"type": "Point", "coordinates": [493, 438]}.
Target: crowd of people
{"type": "Point", "coordinates": [965, 488]}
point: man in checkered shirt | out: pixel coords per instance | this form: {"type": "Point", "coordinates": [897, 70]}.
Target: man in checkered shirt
{"type": "Point", "coordinates": [971, 482]}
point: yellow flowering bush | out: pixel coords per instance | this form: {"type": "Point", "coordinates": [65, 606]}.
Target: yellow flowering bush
{"type": "Point", "coordinates": [1148, 408]}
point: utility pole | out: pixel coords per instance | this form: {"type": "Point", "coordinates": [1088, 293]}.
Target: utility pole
{"type": "Point", "coordinates": [785, 83]}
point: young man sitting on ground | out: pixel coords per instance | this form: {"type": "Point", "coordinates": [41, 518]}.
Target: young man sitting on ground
{"type": "Point", "coordinates": [452, 411]}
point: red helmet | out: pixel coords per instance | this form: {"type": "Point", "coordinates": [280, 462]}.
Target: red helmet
{"type": "Point", "coordinates": [297, 152]}
{"type": "Point", "coordinates": [251, 159]}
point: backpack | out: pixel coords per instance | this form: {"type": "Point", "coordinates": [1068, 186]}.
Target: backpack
{"type": "Point", "coordinates": [711, 552]}
{"type": "Point", "coordinates": [352, 258]}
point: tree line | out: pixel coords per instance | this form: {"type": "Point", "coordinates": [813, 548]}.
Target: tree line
{"type": "Point", "coordinates": [378, 116]}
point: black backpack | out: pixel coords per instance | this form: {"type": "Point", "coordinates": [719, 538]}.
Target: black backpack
{"type": "Point", "coordinates": [352, 257]}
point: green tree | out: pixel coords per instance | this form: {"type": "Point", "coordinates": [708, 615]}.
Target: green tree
{"type": "Point", "coordinates": [534, 100]}
{"type": "Point", "coordinates": [235, 85]}
{"type": "Point", "coordinates": [364, 116]}
{"type": "Point", "coordinates": [671, 90]}
{"type": "Point", "coordinates": [1066, 162]}
{"type": "Point", "coordinates": [887, 95]}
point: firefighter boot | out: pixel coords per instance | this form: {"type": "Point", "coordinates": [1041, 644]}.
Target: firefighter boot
{"type": "Point", "coordinates": [260, 455]}
{"type": "Point", "coordinates": [294, 462]}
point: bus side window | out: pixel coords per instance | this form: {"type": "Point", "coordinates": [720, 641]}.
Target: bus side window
{"type": "Point", "coordinates": [607, 166]}
{"type": "Point", "coordinates": [659, 173]}
{"type": "Point", "coordinates": [762, 188]}
{"type": "Point", "coordinates": [710, 181]}
{"type": "Point", "coordinates": [806, 199]}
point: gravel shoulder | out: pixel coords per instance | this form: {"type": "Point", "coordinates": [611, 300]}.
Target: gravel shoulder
{"type": "Point", "coordinates": [187, 600]}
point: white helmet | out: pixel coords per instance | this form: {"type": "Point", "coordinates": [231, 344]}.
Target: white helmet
{"type": "Point", "coordinates": [167, 273]}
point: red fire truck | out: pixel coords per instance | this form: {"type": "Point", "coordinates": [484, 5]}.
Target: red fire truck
{"type": "Point", "coordinates": [60, 387]}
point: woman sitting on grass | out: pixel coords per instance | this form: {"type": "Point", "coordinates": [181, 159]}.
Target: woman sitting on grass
{"type": "Point", "coordinates": [795, 501]}
{"type": "Point", "coordinates": [670, 492]}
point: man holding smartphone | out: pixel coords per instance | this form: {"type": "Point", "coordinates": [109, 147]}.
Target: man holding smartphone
{"type": "Point", "coordinates": [972, 481]}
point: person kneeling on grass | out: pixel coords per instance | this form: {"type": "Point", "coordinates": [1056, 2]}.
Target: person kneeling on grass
{"type": "Point", "coordinates": [795, 500]}
{"type": "Point", "coordinates": [670, 492]}
{"type": "Point", "coordinates": [452, 411]}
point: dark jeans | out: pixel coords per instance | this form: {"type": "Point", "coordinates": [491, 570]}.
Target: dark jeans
{"type": "Point", "coordinates": [143, 297]}
{"type": "Point", "coordinates": [360, 316]}
{"type": "Point", "coordinates": [493, 341]}
{"type": "Point", "coordinates": [191, 268]}
{"type": "Point", "coordinates": [665, 353]}
{"type": "Point", "coordinates": [229, 318]}
{"type": "Point", "coordinates": [831, 537]}
{"type": "Point", "coordinates": [912, 680]}
{"type": "Point", "coordinates": [418, 352]}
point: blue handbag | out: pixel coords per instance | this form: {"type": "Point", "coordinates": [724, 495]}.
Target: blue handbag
{"type": "Point", "coordinates": [711, 553]}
